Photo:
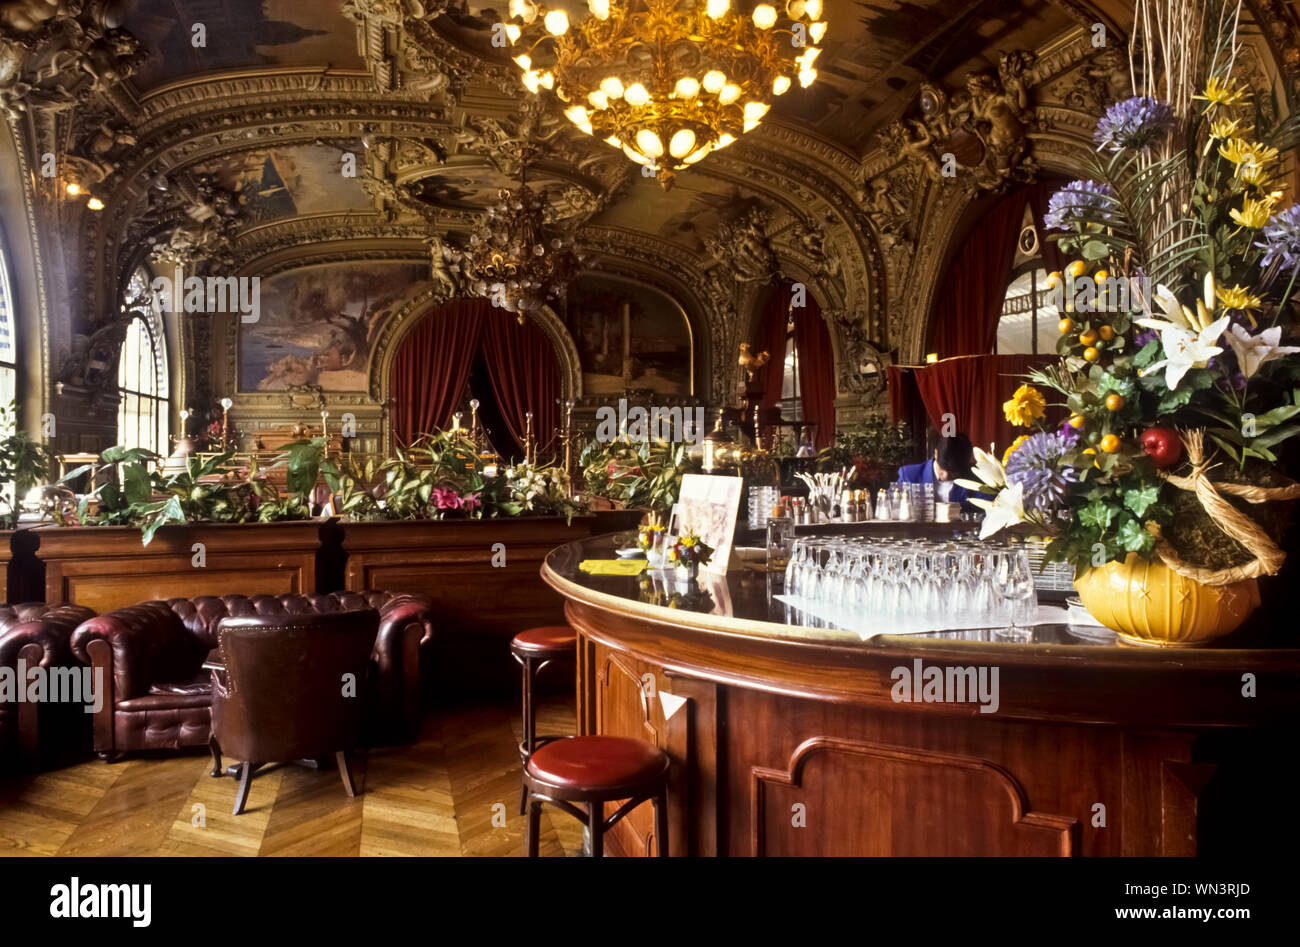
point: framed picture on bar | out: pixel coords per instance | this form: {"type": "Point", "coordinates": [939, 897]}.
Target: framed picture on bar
{"type": "Point", "coordinates": [708, 508]}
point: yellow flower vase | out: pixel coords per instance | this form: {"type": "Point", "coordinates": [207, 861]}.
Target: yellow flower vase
{"type": "Point", "coordinates": [1147, 603]}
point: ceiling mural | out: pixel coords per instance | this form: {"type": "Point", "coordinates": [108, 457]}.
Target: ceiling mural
{"type": "Point", "coordinates": [296, 181]}
{"type": "Point", "coordinates": [239, 34]}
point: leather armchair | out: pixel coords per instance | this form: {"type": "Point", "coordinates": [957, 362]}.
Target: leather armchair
{"type": "Point", "coordinates": [37, 634]}
{"type": "Point", "coordinates": [282, 692]}
{"type": "Point", "coordinates": [153, 655]}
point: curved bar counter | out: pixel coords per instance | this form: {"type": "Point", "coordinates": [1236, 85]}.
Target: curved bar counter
{"type": "Point", "coordinates": [794, 740]}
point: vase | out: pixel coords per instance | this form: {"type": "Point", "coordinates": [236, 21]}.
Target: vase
{"type": "Point", "coordinates": [687, 575]}
{"type": "Point", "coordinates": [1147, 603]}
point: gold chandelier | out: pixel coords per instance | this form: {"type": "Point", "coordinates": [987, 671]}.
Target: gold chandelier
{"type": "Point", "coordinates": [517, 261]}
{"type": "Point", "coordinates": [667, 81]}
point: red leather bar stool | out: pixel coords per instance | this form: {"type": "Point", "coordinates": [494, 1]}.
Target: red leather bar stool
{"type": "Point", "coordinates": [534, 649]}
{"type": "Point", "coordinates": [590, 771]}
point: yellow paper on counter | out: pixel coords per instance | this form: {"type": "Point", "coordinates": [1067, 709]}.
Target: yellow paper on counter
{"type": "Point", "coordinates": [613, 566]}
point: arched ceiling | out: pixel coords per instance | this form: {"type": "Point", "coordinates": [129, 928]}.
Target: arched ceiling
{"type": "Point", "coordinates": [240, 134]}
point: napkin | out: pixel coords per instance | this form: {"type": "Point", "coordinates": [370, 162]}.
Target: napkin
{"type": "Point", "coordinates": [613, 566]}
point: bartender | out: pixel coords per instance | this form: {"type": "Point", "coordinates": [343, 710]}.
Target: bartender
{"type": "Point", "coordinates": [951, 461]}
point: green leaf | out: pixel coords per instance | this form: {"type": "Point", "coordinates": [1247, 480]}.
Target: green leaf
{"type": "Point", "coordinates": [1140, 500]}
{"type": "Point", "coordinates": [171, 512]}
{"type": "Point", "coordinates": [1097, 514]}
{"type": "Point", "coordinates": [1134, 538]}
{"type": "Point", "coordinates": [135, 483]}
{"type": "Point", "coordinates": [1095, 250]}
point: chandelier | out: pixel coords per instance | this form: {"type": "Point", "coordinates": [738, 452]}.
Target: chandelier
{"type": "Point", "coordinates": [516, 261]}
{"type": "Point", "coordinates": [667, 81]}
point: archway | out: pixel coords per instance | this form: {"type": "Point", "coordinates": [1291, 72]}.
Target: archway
{"type": "Point", "coordinates": [467, 348]}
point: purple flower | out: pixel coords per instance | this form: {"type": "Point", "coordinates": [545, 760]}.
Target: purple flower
{"type": "Point", "coordinates": [1281, 244]}
{"type": "Point", "coordinates": [1133, 123]}
{"type": "Point", "coordinates": [1068, 432]}
{"type": "Point", "coordinates": [1079, 202]}
{"type": "Point", "coordinates": [1145, 336]}
{"type": "Point", "coordinates": [1038, 466]}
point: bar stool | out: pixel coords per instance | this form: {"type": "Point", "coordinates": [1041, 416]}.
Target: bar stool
{"type": "Point", "coordinates": [534, 649]}
{"type": "Point", "coordinates": [593, 770]}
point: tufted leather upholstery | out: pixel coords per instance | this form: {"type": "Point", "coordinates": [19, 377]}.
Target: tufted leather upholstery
{"type": "Point", "coordinates": [154, 652]}
{"type": "Point", "coordinates": [39, 634]}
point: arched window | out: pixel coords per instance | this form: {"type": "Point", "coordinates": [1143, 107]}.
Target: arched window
{"type": "Point", "coordinates": [144, 410]}
{"type": "Point", "coordinates": [1027, 325]}
{"type": "Point", "coordinates": [791, 397]}
{"type": "Point", "coordinates": [8, 348]}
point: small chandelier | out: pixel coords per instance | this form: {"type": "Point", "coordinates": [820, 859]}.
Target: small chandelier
{"type": "Point", "coordinates": [517, 261]}
{"type": "Point", "coordinates": [667, 81]}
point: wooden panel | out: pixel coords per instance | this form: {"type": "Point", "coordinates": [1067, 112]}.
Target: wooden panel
{"type": "Point", "coordinates": [627, 706]}
{"type": "Point", "coordinates": [847, 797]}
{"type": "Point", "coordinates": [107, 567]}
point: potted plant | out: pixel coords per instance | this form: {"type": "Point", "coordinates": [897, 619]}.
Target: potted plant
{"type": "Point", "coordinates": [24, 463]}
{"type": "Point", "coordinates": [1166, 486]}
{"type": "Point", "coordinates": [687, 554]}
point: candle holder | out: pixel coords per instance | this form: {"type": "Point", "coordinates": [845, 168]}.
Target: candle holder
{"type": "Point", "coordinates": [324, 429]}
{"type": "Point", "coordinates": [528, 439]}
{"type": "Point", "coordinates": [226, 405]}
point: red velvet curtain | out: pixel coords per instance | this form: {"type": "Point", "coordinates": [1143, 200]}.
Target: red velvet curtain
{"type": "Point", "coordinates": [816, 372]}
{"type": "Point", "coordinates": [524, 373]}
{"type": "Point", "coordinates": [972, 388]}
{"type": "Point", "coordinates": [769, 336]}
{"type": "Point", "coordinates": [964, 320]}
{"type": "Point", "coordinates": [432, 367]}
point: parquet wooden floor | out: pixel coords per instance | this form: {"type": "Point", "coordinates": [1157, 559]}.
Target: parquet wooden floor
{"type": "Point", "coordinates": [453, 792]}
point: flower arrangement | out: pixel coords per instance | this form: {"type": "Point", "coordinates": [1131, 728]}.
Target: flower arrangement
{"type": "Point", "coordinates": [647, 534]}
{"type": "Point", "coordinates": [1181, 389]}
{"type": "Point", "coordinates": [636, 474]}
{"type": "Point", "coordinates": [689, 551]}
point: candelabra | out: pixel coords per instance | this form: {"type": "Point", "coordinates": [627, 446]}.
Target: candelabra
{"type": "Point", "coordinates": [226, 404]}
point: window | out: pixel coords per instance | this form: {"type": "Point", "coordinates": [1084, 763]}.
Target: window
{"type": "Point", "coordinates": [1027, 325]}
{"type": "Point", "coordinates": [144, 411]}
{"type": "Point", "coordinates": [791, 398]}
{"type": "Point", "coordinates": [8, 349]}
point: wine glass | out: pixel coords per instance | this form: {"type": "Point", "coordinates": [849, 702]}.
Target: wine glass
{"type": "Point", "coordinates": [1013, 583]}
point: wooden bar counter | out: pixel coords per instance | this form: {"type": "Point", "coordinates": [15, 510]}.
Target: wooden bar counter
{"type": "Point", "coordinates": [788, 740]}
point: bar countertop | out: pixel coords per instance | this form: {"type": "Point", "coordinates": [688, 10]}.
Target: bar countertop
{"type": "Point", "coordinates": [743, 604]}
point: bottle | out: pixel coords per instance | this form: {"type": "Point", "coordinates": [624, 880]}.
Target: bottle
{"type": "Point", "coordinates": [905, 506]}
{"type": "Point", "coordinates": [882, 504]}
{"type": "Point", "coordinates": [848, 512]}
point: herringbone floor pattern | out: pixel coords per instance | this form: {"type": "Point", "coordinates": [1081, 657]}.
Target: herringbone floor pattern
{"type": "Point", "coordinates": [454, 792]}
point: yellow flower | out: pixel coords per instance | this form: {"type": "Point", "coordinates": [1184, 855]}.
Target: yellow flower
{"type": "Point", "coordinates": [1025, 407]}
{"type": "Point", "coordinates": [688, 541]}
{"type": "Point", "coordinates": [1239, 151]}
{"type": "Point", "coordinates": [1254, 174]}
{"type": "Point", "coordinates": [1253, 214]}
{"type": "Point", "coordinates": [1014, 444]}
{"type": "Point", "coordinates": [1223, 128]}
{"type": "Point", "coordinates": [1226, 92]}
{"type": "Point", "coordinates": [1237, 297]}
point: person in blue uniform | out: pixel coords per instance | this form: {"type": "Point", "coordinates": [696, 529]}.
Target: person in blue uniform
{"type": "Point", "coordinates": [952, 460]}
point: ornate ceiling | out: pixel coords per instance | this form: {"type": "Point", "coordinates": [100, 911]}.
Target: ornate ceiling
{"type": "Point", "coordinates": [251, 135]}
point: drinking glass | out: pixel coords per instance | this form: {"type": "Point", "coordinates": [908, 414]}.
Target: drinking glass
{"type": "Point", "coordinates": [1014, 586]}
{"type": "Point", "coordinates": [780, 543]}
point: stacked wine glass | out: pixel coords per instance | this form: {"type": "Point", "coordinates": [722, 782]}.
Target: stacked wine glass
{"type": "Point", "coordinates": [904, 586]}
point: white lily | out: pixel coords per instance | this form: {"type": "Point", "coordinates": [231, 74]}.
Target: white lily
{"type": "Point", "coordinates": [1178, 314]}
{"type": "Point", "coordinates": [1006, 509]}
{"type": "Point", "coordinates": [1254, 350]}
{"type": "Point", "coordinates": [1184, 349]}
{"type": "Point", "coordinates": [989, 469]}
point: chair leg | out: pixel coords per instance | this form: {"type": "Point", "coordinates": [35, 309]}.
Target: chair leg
{"type": "Point", "coordinates": [245, 782]}
{"type": "Point", "coordinates": [345, 772]}
{"type": "Point", "coordinates": [595, 824]}
{"type": "Point", "coordinates": [661, 823]}
{"type": "Point", "coordinates": [534, 826]}
{"type": "Point", "coordinates": [215, 749]}
{"type": "Point", "coordinates": [523, 799]}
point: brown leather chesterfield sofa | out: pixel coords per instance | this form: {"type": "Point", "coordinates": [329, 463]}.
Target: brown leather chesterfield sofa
{"type": "Point", "coordinates": [38, 634]}
{"type": "Point", "coordinates": [160, 694]}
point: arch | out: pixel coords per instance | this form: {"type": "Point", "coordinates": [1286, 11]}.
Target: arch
{"type": "Point", "coordinates": [425, 303]}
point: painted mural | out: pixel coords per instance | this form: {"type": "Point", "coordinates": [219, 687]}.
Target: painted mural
{"type": "Point", "coordinates": [239, 34]}
{"type": "Point", "coordinates": [296, 181]}
{"type": "Point", "coordinates": [318, 324]}
{"type": "Point", "coordinates": [630, 338]}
